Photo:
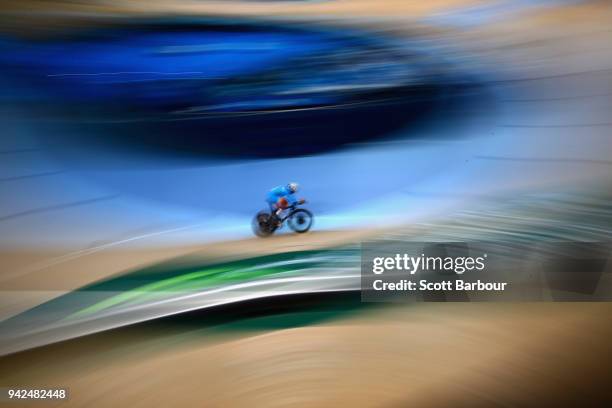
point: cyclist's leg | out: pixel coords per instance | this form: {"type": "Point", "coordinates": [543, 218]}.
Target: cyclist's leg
{"type": "Point", "coordinates": [271, 203]}
{"type": "Point", "coordinates": [275, 212]}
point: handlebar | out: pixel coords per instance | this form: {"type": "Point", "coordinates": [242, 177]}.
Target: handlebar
{"type": "Point", "coordinates": [299, 202]}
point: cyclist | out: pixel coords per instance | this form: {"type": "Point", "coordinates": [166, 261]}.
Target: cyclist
{"type": "Point", "coordinates": [281, 197]}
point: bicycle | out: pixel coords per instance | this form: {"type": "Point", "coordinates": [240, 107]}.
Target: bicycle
{"type": "Point", "coordinates": [300, 220]}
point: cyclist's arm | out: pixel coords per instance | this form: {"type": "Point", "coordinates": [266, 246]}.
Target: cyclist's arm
{"type": "Point", "coordinates": [291, 199]}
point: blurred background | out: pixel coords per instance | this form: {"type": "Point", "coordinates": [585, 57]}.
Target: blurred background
{"type": "Point", "coordinates": [139, 139]}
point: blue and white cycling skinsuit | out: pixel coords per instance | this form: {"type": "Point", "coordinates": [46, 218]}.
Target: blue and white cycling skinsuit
{"type": "Point", "coordinates": [277, 193]}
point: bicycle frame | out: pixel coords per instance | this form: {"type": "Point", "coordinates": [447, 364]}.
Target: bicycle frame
{"type": "Point", "coordinates": [289, 211]}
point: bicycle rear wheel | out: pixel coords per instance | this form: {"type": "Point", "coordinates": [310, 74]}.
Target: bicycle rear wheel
{"type": "Point", "coordinates": [261, 225]}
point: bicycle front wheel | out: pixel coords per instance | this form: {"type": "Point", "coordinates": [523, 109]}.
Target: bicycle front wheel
{"type": "Point", "coordinates": [300, 220]}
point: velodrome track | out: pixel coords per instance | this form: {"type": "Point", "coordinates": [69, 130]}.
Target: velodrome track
{"type": "Point", "coordinates": [551, 82]}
